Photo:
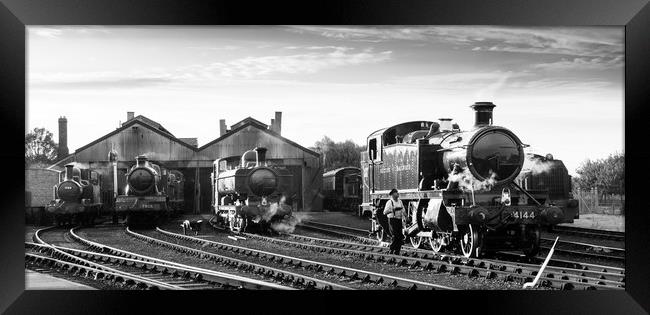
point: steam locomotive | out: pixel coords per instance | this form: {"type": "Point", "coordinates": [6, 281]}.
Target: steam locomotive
{"type": "Point", "coordinates": [76, 198]}
{"type": "Point", "coordinates": [147, 199]}
{"type": "Point", "coordinates": [462, 189]}
{"type": "Point", "coordinates": [248, 193]}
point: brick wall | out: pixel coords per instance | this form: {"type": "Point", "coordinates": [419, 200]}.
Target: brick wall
{"type": "Point", "coordinates": [38, 186]}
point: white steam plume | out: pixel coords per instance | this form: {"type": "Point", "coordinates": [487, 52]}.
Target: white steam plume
{"type": "Point", "coordinates": [467, 182]}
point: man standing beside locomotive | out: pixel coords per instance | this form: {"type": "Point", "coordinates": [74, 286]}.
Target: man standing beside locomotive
{"type": "Point", "coordinates": [394, 210]}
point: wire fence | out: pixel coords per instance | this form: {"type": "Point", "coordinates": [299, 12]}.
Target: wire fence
{"type": "Point", "coordinates": [595, 201]}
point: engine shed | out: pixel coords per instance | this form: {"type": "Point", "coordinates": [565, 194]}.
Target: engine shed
{"type": "Point", "coordinates": [139, 135]}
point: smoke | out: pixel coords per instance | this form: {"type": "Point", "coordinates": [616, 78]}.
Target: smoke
{"type": "Point", "coordinates": [288, 223]}
{"type": "Point", "coordinates": [467, 182]}
{"type": "Point", "coordinates": [534, 166]}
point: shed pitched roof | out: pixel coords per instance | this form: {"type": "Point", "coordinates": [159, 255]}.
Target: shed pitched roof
{"type": "Point", "coordinates": [261, 127]}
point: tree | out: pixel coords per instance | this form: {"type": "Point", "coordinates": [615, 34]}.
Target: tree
{"type": "Point", "coordinates": [338, 154]}
{"type": "Point", "coordinates": [607, 175]}
{"type": "Point", "coordinates": [40, 148]}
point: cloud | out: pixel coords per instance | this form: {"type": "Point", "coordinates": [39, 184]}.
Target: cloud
{"type": "Point", "coordinates": [98, 80]}
{"type": "Point", "coordinates": [57, 32]}
{"type": "Point", "coordinates": [225, 47]}
{"type": "Point", "coordinates": [308, 62]}
{"type": "Point", "coordinates": [582, 63]}
{"type": "Point", "coordinates": [606, 43]}
{"type": "Point", "coordinates": [313, 59]}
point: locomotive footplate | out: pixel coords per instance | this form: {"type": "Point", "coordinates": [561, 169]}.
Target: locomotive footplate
{"type": "Point", "coordinates": [65, 207]}
{"type": "Point", "coordinates": [498, 215]}
{"type": "Point", "coordinates": [140, 203]}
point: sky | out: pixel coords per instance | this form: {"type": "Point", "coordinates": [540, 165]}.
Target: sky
{"type": "Point", "coordinates": [560, 89]}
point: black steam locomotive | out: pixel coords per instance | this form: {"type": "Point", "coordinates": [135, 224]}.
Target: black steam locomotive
{"type": "Point", "coordinates": [146, 198]}
{"type": "Point", "coordinates": [342, 189]}
{"type": "Point", "coordinates": [76, 197]}
{"type": "Point", "coordinates": [249, 193]}
{"type": "Point", "coordinates": [462, 188]}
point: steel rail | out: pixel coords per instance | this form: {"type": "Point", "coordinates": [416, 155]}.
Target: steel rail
{"type": "Point", "coordinates": [63, 256]}
{"type": "Point", "coordinates": [587, 232]}
{"type": "Point", "coordinates": [225, 279]}
{"type": "Point", "coordinates": [81, 270]}
{"type": "Point", "coordinates": [584, 271]}
{"type": "Point", "coordinates": [169, 269]}
{"type": "Point", "coordinates": [471, 266]}
{"type": "Point", "coordinates": [296, 280]}
{"type": "Point", "coordinates": [310, 264]}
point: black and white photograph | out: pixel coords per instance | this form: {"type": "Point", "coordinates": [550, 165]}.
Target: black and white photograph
{"type": "Point", "coordinates": [333, 157]}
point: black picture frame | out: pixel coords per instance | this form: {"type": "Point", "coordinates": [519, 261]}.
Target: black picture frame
{"type": "Point", "coordinates": [633, 14]}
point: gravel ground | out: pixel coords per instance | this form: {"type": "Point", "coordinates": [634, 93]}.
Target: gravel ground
{"type": "Point", "coordinates": [100, 285]}
{"type": "Point", "coordinates": [582, 239]}
{"type": "Point", "coordinates": [116, 237]}
{"type": "Point", "coordinates": [606, 222]}
{"type": "Point", "coordinates": [456, 281]}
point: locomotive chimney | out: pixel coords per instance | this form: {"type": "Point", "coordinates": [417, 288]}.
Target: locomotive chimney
{"type": "Point", "coordinates": [278, 122]}
{"type": "Point", "coordinates": [445, 124]}
{"type": "Point", "coordinates": [63, 138]}
{"type": "Point", "coordinates": [483, 116]}
{"type": "Point", "coordinates": [141, 159]}
{"type": "Point", "coordinates": [222, 127]}
{"type": "Point", "coordinates": [129, 115]}
{"type": "Point", "coordinates": [69, 168]}
{"type": "Point", "coordinates": [261, 156]}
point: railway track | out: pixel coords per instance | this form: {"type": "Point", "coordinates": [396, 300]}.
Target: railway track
{"type": "Point", "coordinates": [586, 250]}
{"type": "Point", "coordinates": [352, 274]}
{"type": "Point", "coordinates": [612, 255]}
{"type": "Point", "coordinates": [579, 274]}
{"type": "Point", "coordinates": [137, 271]}
{"type": "Point", "coordinates": [590, 233]}
{"type": "Point", "coordinates": [283, 276]}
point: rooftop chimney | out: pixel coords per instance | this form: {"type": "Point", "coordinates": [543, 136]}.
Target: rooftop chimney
{"type": "Point", "coordinates": [222, 127]}
{"type": "Point", "coordinates": [445, 124]}
{"type": "Point", "coordinates": [278, 122]}
{"type": "Point", "coordinates": [483, 116]}
{"type": "Point", "coordinates": [272, 126]}
{"type": "Point", "coordinates": [129, 115]}
{"type": "Point", "coordinates": [63, 138]}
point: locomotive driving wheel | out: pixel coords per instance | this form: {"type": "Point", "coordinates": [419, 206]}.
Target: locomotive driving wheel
{"type": "Point", "coordinates": [470, 241]}
{"type": "Point", "coordinates": [416, 241]}
{"type": "Point", "coordinates": [411, 218]}
{"type": "Point", "coordinates": [437, 242]}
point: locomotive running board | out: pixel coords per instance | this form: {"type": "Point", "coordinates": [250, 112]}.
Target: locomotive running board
{"type": "Point", "coordinates": [541, 270]}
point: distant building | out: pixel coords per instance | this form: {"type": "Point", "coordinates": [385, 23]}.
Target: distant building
{"type": "Point", "coordinates": [141, 135]}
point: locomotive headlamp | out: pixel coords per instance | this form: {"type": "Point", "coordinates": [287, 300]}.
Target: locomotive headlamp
{"type": "Point", "coordinates": [505, 197]}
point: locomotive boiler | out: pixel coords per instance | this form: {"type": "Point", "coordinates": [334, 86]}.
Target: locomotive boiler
{"type": "Point", "coordinates": [146, 195]}
{"type": "Point", "coordinates": [461, 188]}
{"type": "Point", "coordinates": [248, 193]}
{"type": "Point", "coordinates": [76, 198]}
